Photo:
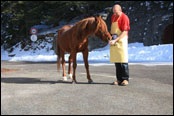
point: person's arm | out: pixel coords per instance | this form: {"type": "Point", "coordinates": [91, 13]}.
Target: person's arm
{"type": "Point", "coordinates": [124, 33]}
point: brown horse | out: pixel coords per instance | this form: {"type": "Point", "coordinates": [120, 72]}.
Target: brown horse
{"type": "Point", "coordinates": [74, 39]}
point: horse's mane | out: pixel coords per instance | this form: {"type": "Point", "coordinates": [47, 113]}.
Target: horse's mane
{"type": "Point", "coordinates": [83, 23]}
{"type": "Point", "coordinates": [86, 26]}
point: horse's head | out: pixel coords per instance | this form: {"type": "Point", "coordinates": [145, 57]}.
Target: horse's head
{"type": "Point", "coordinates": [102, 30]}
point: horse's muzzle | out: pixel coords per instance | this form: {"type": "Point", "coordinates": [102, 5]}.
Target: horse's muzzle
{"type": "Point", "coordinates": [109, 39]}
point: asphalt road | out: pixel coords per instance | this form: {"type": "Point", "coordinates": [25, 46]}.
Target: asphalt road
{"type": "Point", "coordinates": [37, 88]}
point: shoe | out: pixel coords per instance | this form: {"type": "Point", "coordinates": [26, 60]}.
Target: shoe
{"type": "Point", "coordinates": [124, 83]}
{"type": "Point", "coordinates": [116, 83]}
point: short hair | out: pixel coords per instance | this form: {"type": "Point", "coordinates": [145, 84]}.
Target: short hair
{"type": "Point", "coordinates": [119, 7]}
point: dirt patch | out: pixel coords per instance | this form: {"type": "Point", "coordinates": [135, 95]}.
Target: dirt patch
{"type": "Point", "coordinates": [8, 70]}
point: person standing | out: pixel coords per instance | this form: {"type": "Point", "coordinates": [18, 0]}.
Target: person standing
{"type": "Point", "coordinates": [119, 45]}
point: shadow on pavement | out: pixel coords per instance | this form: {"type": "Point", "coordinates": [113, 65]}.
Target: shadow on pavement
{"type": "Point", "coordinates": [26, 80]}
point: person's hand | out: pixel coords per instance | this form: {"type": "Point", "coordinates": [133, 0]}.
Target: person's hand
{"type": "Point", "coordinates": [112, 42]}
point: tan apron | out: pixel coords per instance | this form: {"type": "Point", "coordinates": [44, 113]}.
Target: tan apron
{"type": "Point", "coordinates": [119, 51]}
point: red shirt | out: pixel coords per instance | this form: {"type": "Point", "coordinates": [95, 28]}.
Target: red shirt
{"type": "Point", "coordinates": [123, 22]}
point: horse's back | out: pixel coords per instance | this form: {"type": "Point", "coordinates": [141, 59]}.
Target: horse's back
{"type": "Point", "coordinates": [65, 28]}
{"type": "Point", "coordinates": [64, 38]}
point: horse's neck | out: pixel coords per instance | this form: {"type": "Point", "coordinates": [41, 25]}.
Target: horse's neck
{"type": "Point", "coordinates": [85, 29]}
{"type": "Point", "coordinates": [91, 31]}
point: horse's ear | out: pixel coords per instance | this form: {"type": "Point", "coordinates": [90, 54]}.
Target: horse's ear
{"type": "Point", "coordinates": [97, 19]}
{"type": "Point", "coordinates": [100, 17]}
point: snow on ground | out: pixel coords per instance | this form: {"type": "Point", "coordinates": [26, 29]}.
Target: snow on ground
{"type": "Point", "coordinates": [138, 53]}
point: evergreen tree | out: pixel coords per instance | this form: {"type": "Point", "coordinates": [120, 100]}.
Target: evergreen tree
{"type": "Point", "coordinates": [17, 17]}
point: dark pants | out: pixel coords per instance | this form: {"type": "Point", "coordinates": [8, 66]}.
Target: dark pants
{"type": "Point", "coordinates": [122, 71]}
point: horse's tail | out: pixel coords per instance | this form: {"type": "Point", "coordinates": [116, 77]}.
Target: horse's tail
{"type": "Point", "coordinates": [58, 51]}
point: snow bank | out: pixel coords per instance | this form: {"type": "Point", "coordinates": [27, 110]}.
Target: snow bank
{"type": "Point", "coordinates": [137, 53]}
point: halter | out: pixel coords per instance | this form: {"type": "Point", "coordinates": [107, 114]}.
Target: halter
{"type": "Point", "coordinates": [103, 33]}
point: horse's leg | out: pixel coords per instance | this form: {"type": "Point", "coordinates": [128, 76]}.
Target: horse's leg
{"type": "Point", "coordinates": [69, 69]}
{"type": "Point", "coordinates": [74, 67]}
{"type": "Point", "coordinates": [63, 67]}
{"type": "Point", "coordinates": [58, 64]}
{"type": "Point", "coordinates": [85, 58]}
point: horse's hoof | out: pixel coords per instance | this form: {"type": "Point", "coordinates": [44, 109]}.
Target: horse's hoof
{"type": "Point", "coordinates": [74, 82]}
{"type": "Point", "coordinates": [90, 81]}
{"type": "Point", "coordinates": [64, 78]}
{"type": "Point", "coordinates": [70, 76]}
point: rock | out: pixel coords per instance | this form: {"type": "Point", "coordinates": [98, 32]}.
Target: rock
{"type": "Point", "coordinates": [95, 42]}
{"type": "Point", "coordinates": [167, 37]}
